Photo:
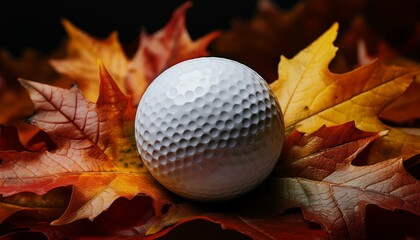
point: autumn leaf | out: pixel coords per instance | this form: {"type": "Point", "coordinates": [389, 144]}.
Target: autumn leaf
{"type": "Point", "coordinates": [95, 152]}
{"type": "Point", "coordinates": [311, 96]}
{"type": "Point", "coordinates": [315, 156]}
{"type": "Point", "coordinates": [329, 189]}
{"type": "Point", "coordinates": [156, 52]}
{"type": "Point", "coordinates": [161, 50]}
{"type": "Point", "coordinates": [95, 155]}
{"type": "Point", "coordinates": [124, 218]}
{"type": "Point", "coordinates": [46, 207]}
{"type": "Point", "coordinates": [405, 110]}
{"type": "Point", "coordinates": [319, 165]}
{"type": "Point", "coordinates": [281, 227]}
{"type": "Point", "coordinates": [83, 51]}
{"type": "Point", "coordinates": [338, 202]}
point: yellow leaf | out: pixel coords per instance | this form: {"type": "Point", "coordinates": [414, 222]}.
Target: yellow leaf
{"type": "Point", "coordinates": [311, 96]}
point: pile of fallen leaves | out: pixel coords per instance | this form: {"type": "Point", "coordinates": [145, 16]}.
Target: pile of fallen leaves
{"type": "Point", "coordinates": [348, 169]}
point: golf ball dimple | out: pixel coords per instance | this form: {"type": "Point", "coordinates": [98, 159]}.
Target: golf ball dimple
{"type": "Point", "coordinates": [209, 129]}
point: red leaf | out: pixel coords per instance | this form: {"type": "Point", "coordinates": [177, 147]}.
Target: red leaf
{"type": "Point", "coordinates": [95, 151]}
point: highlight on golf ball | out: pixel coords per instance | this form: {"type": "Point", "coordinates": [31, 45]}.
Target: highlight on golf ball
{"type": "Point", "coordinates": [209, 129]}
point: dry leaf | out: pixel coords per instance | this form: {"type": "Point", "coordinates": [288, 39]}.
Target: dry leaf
{"type": "Point", "coordinates": [339, 201]}
{"type": "Point", "coordinates": [95, 151]}
{"type": "Point", "coordinates": [315, 156]}
{"type": "Point", "coordinates": [311, 96]}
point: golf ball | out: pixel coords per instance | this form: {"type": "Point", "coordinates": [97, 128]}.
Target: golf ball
{"type": "Point", "coordinates": [209, 129]}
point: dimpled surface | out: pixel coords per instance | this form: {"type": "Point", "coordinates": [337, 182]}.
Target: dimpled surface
{"type": "Point", "coordinates": [209, 129]}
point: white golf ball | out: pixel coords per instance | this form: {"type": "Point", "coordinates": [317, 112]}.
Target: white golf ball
{"type": "Point", "coordinates": [209, 129]}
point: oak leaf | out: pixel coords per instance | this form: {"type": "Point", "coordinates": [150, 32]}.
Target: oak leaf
{"type": "Point", "coordinates": [329, 189]}
{"type": "Point", "coordinates": [338, 202]}
{"type": "Point", "coordinates": [311, 96]}
{"type": "Point", "coordinates": [156, 52]}
{"type": "Point", "coordinates": [95, 153]}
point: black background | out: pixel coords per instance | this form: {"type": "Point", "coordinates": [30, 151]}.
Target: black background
{"type": "Point", "coordinates": [37, 24]}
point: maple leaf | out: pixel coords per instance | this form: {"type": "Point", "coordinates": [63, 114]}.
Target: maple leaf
{"type": "Point", "coordinates": [95, 153]}
{"type": "Point", "coordinates": [311, 96]}
{"type": "Point", "coordinates": [157, 52]}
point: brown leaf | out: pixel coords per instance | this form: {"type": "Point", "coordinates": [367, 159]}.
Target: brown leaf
{"type": "Point", "coordinates": [95, 151]}
{"type": "Point", "coordinates": [315, 156]}
{"type": "Point", "coordinates": [45, 207]}
{"type": "Point", "coordinates": [339, 201]}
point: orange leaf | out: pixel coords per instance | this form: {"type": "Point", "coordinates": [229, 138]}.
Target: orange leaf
{"type": "Point", "coordinates": [95, 151]}
{"type": "Point", "coordinates": [157, 52]}
{"type": "Point", "coordinates": [405, 110]}
{"type": "Point", "coordinates": [83, 51]}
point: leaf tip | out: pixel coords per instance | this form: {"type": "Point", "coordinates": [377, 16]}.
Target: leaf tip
{"type": "Point", "coordinates": [103, 72]}
{"type": "Point", "coordinates": [67, 24]}
{"type": "Point", "coordinates": [24, 82]}
{"type": "Point", "coordinates": [335, 26]}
